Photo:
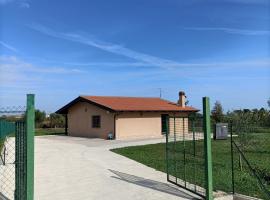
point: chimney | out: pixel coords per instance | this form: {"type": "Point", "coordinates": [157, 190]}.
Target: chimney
{"type": "Point", "coordinates": [182, 99]}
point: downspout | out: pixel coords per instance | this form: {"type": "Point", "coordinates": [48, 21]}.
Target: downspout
{"type": "Point", "coordinates": [115, 115]}
{"type": "Point", "coordinates": [114, 126]}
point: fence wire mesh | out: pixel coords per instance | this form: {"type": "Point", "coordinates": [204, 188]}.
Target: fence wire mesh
{"type": "Point", "coordinates": [8, 117]}
{"type": "Point", "coordinates": [251, 160]}
{"type": "Point", "coordinates": [241, 163]}
{"type": "Point", "coordinates": [7, 168]}
{"type": "Point", "coordinates": [185, 153]}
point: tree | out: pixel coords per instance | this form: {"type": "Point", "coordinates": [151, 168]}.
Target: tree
{"type": "Point", "coordinates": [57, 120]}
{"type": "Point", "coordinates": [40, 117]}
{"type": "Point", "coordinates": [268, 102]}
{"type": "Point", "coordinates": [217, 112]}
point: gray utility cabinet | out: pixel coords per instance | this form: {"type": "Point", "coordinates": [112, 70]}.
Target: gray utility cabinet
{"type": "Point", "coordinates": [221, 131]}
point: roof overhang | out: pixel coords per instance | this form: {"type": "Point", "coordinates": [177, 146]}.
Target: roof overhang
{"type": "Point", "coordinates": [64, 109]}
{"type": "Point", "coordinates": [182, 111]}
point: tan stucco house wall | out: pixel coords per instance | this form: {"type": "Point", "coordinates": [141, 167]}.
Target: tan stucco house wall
{"type": "Point", "coordinates": [80, 121]}
{"type": "Point", "coordinates": [136, 125]}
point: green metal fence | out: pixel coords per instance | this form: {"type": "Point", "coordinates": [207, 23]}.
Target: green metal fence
{"type": "Point", "coordinates": [241, 162]}
{"type": "Point", "coordinates": [185, 154]}
{"type": "Point", "coordinates": [17, 151]}
{"type": "Point", "coordinates": [188, 152]}
{"type": "Point", "coordinates": [250, 153]}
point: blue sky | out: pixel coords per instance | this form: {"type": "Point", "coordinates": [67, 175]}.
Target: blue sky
{"type": "Point", "coordinates": [61, 49]}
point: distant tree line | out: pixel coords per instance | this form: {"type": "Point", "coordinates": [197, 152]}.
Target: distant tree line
{"type": "Point", "coordinates": [52, 121]}
{"type": "Point", "coordinates": [242, 117]}
{"type": "Point", "coordinates": [42, 120]}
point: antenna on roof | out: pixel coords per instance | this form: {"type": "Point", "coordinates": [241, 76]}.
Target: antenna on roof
{"type": "Point", "coordinates": [160, 92]}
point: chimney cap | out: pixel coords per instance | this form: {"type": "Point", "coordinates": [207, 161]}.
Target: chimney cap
{"type": "Point", "coordinates": [181, 93]}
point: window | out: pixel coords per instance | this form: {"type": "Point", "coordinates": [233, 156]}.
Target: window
{"type": "Point", "coordinates": [95, 121]}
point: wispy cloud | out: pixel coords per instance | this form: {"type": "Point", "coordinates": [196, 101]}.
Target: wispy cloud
{"type": "Point", "coordinates": [230, 30]}
{"type": "Point", "coordinates": [248, 1]}
{"type": "Point", "coordinates": [24, 5]}
{"type": "Point", "coordinates": [15, 72]}
{"type": "Point", "coordinates": [143, 60]}
{"type": "Point", "coordinates": [8, 62]}
{"type": "Point", "coordinates": [20, 3]}
{"type": "Point", "coordinates": [181, 65]}
{"type": "Point", "coordinates": [109, 47]}
{"type": "Point", "coordinates": [9, 47]}
{"type": "Point", "coordinates": [3, 2]}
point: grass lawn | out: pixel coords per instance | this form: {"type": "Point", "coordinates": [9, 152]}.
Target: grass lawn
{"type": "Point", "coordinates": [49, 131]}
{"type": "Point", "coordinates": [258, 154]}
{"type": "Point", "coordinates": [1, 144]}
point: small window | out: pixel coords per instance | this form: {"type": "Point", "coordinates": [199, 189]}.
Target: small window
{"type": "Point", "coordinates": [95, 121]}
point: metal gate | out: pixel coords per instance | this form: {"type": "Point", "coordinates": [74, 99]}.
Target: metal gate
{"type": "Point", "coordinates": [17, 151]}
{"type": "Point", "coordinates": [187, 153]}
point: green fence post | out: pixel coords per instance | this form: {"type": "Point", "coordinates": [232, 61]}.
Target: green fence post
{"type": "Point", "coordinates": [232, 159]}
{"type": "Point", "coordinates": [167, 146]}
{"type": "Point", "coordinates": [30, 131]}
{"type": "Point", "coordinates": [207, 149]}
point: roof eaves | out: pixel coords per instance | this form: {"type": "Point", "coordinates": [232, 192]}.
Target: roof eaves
{"type": "Point", "coordinates": [140, 110]}
{"type": "Point", "coordinates": [64, 109]}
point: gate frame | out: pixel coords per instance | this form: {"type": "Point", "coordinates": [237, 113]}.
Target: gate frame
{"type": "Point", "coordinates": [207, 151]}
{"type": "Point", "coordinates": [167, 140]}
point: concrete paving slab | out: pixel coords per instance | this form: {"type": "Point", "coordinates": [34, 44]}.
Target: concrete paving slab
{"type": "Point", "coordinates": [69, 168]}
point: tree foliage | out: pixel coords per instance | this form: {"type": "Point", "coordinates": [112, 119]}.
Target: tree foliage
{"type": "Point", "coordinates": [217, 112]}
{"type": "Point", "coordinates": [57, 120]}
{"type": "Point", "coordinates": [250, 118]}
{"type": "Point", "coordinates": [40, 117]}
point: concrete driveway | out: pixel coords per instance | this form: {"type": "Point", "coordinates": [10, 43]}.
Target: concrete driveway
{"type": "Point", "coordinates": [69, 168]}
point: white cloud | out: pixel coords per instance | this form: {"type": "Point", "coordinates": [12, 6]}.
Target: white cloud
{"type": "Point", "coordinates": [109, 47]}
{"type": "Point", "coordinates": [230, 30]}
{"type": "Point", "coordinates": [24, 5]}
{"type": "Point", "coordinates": [142, 59]}
{"type": "Point", "coordinates": [9, 47]}
{"type": "Point", "coordinates": [20, 3]}
{"type": "Point", "coordinates": [249, 1]}
{"type": "Point", "coordinates": [16, 72]}
{"type": "Point", "coordinates": [233, 64]}
{"type": "Point", "coordinates": [3, 2]}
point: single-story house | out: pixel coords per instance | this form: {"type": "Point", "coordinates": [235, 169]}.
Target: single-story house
{"type": "Point", "coordinates": [122, 117]}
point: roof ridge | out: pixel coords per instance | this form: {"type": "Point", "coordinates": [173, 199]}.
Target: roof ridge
{"type": "Point", "coordinates": [121, 97]}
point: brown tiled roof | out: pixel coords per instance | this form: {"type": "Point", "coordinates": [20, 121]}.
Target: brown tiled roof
{"type": "Point", "coordinates": [130, 104]}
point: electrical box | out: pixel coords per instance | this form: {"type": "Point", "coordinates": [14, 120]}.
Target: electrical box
{"type": "Point", "coordinates": [221, 131]}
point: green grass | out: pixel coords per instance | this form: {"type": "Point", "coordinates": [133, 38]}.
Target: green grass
{"type": "Point", "coordinates": [49, 131]}
{"type": "Point", "coordinates": [258, 155]}
{"type": "Point", "coordinates": [42, 131]}
{"type": "Point", "coordinates": [1, 143]}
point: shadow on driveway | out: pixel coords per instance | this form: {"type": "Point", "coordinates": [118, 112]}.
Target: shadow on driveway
{"type": "Point", "coordinates": [155, 185]}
